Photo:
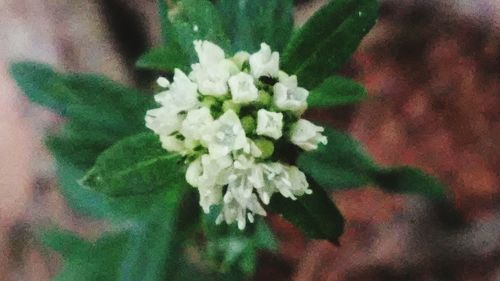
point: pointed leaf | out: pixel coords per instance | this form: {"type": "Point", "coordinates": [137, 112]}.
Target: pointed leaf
{"type": "Point", "coordinates": [336, 91]}
{"type": "Point", "coordinates": [328, 39]}
{"type": "Point", "coordinates": [135, 165]}
{"type": "Point", "coordinates": [341, 163]}
{"type": "Point", "coordinates": [409, 180]}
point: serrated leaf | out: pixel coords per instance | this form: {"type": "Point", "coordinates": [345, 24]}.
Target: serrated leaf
{"type": "Point", "coordinates": [409, 180]}
{"type": "Point", "coordinates": [315, 215]}
{"type": "Point", "coordinates": [251, 22]}
{"type": "Point", "coordinates": [197, 19]}
{"type": "Point", "coordinates": [341, 163]}
{"type": "Point", "coordinates": [164, 59]}
{"type": "Point", "coordinates": [336, 91]}
{"type": "Point", "coordinates": [135, 165]}
{"type": "Point", "coordinates": [328, 39]}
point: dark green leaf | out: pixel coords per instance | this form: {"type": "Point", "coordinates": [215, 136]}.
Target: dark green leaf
{"type": "Point", "coordinates": [409, 180]}
{"type": "Point", "coordinates": [251, 22]}
{"type": "Point", "coordinates": [315, 215]}
{"type": "Point", "coordinates": [336, 91]}
{"type": "Point", "coordinates": [341, 163]}
{"type": "Point", "coordinates": [328, 39]}
{"type": "Point", "coordinates": [163, 59]}
{"type": "Point", "coordinates": [136, 165]}
{"type": "Point", "coordinates": [197, 19]}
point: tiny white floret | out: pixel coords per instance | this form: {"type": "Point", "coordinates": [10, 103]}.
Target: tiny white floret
{"type": "Point", "coordinates": [264, 62]}
{"type": "Point", "coordinates": [269, 124]}
{"type": "Point", "coordinates": [306, 135]}
{"type": "Point", "coordinates": [242, 87]}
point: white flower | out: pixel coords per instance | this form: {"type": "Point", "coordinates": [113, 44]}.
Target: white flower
{"type": "Point", "coordinates": [300, 186]}
{"type": "Point", "coordinates": [211, 79]}
{"type": "Point", "coordinates": [182, 94]}
{"type": "Point", "coordinates": [226, 135]}
{"type": "Point", "coordinates": [209, 174]}
{"type": "Point", "coordinates": [208, 53]}
{"type": "Point", "coordinates": [163, 121]}
{"type": "Point", "coordinates": [287, 180]}
{"type": "Point", "coordinates": [264, 63]}
{"type": "Point", "coordinates": [233, 211]}
{"type": "Point", "coordinates": [269, 124]}
{"type": "Point", "coordinates": [196, 123]}
{"type": "Point", "coordinates": [287, 97]}
{"type": "Point", "coordinates": [242, 88]}
{"type": "Point", "coordinates": [306, 135]}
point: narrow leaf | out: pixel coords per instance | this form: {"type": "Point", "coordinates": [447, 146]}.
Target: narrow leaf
{"type": "Point", "coordinates": [341, 163]}
{"type": "Point", "coordinates": [136, 165]}
{"type": "Point", "coordinates": [336, 91]}
{"type": "Point", "coordinates": [328, 39]}
{"type": "Point", "coordinates": [409, 180]}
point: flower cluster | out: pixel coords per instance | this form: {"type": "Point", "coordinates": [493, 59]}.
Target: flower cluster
{"type": "Point", "coordinates": [226, 117]}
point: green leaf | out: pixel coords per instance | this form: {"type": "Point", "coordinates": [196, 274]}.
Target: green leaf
{"type": "Point", "coordinates": [87, 261]}
{"type": "Point", "coordinates": [197, 19]}
{"type": "Point", "coordinates": [136, 165]}
{"type": "Point", "coordinates": [409, 180]}
{"type": "Point", "coordinates": [328, 39]}
{"type": "Point", "coordinates": [153, 249]}
{"type": "Point", "coordinates": [251, 22]}
{"type": "Point", "coordinates": [166, 26]}
{"type": "Point", "coordinates": [336, 91]}
{"type": "Point", "coordinates": [315, 215]}
{"type": "Point", "coordinates": [341, 163]}
{"type": "Point", "coordinates": [84, 98]}
{"type": "Point", "coordinates": [163, 59]}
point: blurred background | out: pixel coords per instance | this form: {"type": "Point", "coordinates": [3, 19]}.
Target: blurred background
{"type": "Point", "coordinates": [432, 69]}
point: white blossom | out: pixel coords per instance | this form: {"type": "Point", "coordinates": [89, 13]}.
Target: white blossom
{"type": "Point", "coordinates": [196, 123]}
{"type": "Point", "coordinates": [163, 121]}
{"type": "Point", "coordinates": [211, 80]}
{"type": "Point", "coordinates": [233, 169]}
{"type": "Point", "coordinates": [182, 94]}
{"type": "Point", "coordinates": [226, 135]}
{"type": "Point", "coordinates": [306, 135]}
{"type": "Point", "coordinates": [208, 53]}
{"type": "Point", "coordinates": [290, 98]}
{"type": "Point", "coordinates": [243, 89]}
{"type": "Point", "coordinates": [264, 62]}
{"type": "Point", "coordinates": [269, 124]}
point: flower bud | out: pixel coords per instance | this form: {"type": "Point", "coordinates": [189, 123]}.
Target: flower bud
{"type": "Point", "coordinates": [265, 146]}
